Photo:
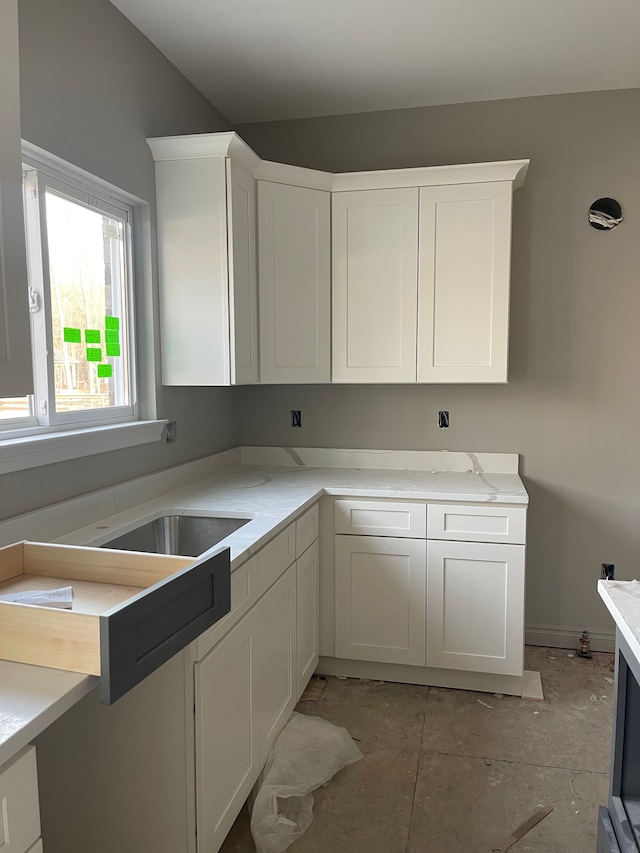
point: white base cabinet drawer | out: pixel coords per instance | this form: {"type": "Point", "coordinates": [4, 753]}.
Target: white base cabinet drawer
{"type": "Point", "coordinates": [379, 599]}
{"type": "Point", "coordinates": [276, 557]}
{"type": "Point", "coordinates": [381, 518]}
{"type": "Point", "coordinates": [307, 529]}
{"type": "Point", "coordinates": [479, 523]}
{"type": "Point", "coordinates": [475, 607]}
{"type": "Point", "coordinates": [19, 804]}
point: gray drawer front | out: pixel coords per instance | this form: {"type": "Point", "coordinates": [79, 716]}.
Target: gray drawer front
{"type": "Point", "coordinates": [139, 636]}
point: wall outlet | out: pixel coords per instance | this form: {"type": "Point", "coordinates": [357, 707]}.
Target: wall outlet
{"type": "Point", "coordinates": [171, 432]}
{"type": "Point", "coordinates": [296, 418]}
{"type": "Point", "coordinates": [443, 420]}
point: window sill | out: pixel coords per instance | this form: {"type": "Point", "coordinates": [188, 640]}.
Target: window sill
{"type": "Point", "coordinates": [17, 454]}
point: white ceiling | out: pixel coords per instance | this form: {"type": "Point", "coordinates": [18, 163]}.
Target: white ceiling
{"type": "Point", "coordinates": [261, 60]}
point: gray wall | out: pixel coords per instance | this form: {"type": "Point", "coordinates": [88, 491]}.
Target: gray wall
{"type": "Point", "coordinates": [93, 88]}
{"type": "Point", "coordinates": [572, 405]}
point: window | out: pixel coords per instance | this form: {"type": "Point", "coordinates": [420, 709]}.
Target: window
{"type": "Point", "coordinates": [79, 254]}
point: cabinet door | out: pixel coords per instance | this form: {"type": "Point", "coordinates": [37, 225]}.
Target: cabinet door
{"type": "Point", "coordinates": [475, 606]}
{"type": "Point", "coordinates": [375, 255]}
{"type": "Point", "coordinates": [463, 314]}
{"type": "Point", "coordinates": [308, 613]}
{"type": "Point", "coordinates": [275, 673]}
{"type": "Point", "coordinates": [16, 378]}
{"type": "Point", "coordinates": [295, 294]}
{"type": "Point", "coordinates": [380, 599]}
{"type": "Point", "coordinates": [243, 288]}
{"type": "Point", "coordinates": [227, 738]}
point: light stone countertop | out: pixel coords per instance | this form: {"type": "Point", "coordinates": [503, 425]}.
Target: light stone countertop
{"type": "Point", "coordinates": [271, 494]}
{"type": "Point", "coordinates": [622, 599]}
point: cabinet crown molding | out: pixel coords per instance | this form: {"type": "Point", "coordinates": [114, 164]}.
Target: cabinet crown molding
{"type": "Point", "coordinates": [229, 144]}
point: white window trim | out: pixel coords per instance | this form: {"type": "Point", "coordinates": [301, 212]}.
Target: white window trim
{"type": "Point", "coordinates": [30, 446]}
{"type": "Point", "coordinates": [20, 453]}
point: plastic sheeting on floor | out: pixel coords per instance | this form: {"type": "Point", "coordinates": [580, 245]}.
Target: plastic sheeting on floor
{"type": "Point", "coordinates": [308, 753]}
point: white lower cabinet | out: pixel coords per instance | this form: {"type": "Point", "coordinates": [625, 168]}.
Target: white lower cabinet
{"type": "Point", "coordinates": [307, 616]}
{"type": "Point", "coordinates": [452, 598]}
{"type": "Point", "coordinates": [227, 739]}
{"type": "Point", "coordinates": [475, 606]}
{"type": "Point", "coordinates": [248, 680]}
{"type": "Point", "coordinates": [19, 805]}
{"type": "Point", "coordinates": [379, 596]}
{"type": "Point", "coordinates": [245, 692]}
{"type": "Point", "coordinates": [275, 674]}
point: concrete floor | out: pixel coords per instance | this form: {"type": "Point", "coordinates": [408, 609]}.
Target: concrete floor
{"type": "Point", "coordinates": [444, 773]}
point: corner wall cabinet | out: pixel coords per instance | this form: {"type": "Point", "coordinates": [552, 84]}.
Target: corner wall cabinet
{"type": "Point", "coordinates": [407, 280]}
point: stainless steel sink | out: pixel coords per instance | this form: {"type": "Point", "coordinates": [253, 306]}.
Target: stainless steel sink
{"type": "Point", "coordinates": [186, 535]}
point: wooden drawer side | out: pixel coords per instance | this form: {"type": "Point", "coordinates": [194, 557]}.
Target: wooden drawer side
{"type": "Point", "coordinates": [100, 565]}
{"type": "Point", "coordinates": [43, 636]}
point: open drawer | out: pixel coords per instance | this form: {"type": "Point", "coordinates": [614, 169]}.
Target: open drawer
{"type": "Point", "coordinates": [131, 612]}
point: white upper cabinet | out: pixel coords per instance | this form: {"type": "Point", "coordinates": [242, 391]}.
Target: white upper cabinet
{"type": "Point", "coordinates": [16, 378]}
{"type": "Point", "coordinates": [375, 258]}
{"type": "Point", "coordinates": [294, 253]}
{"type": "Point", "coordinates": [427, 303]}
{"type": "Point", "coordinates": [399, 275]}
{"type": "Point", "coordinates": [207, 259]}
{"type": "Point", "coordinates": [463, 290]}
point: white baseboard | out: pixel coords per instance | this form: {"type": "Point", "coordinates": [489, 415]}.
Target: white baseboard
{"type": "Point", "coordinates": [568, 638]}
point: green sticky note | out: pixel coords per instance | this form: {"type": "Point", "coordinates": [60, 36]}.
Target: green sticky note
{"type": "Point", "coordinates": [92, 336]}
{"type": "Point", "coordinates": [112, 336]}
{"type": "Point", "coordinates": [105, 371]}
{"type": "Point", "coordinates": [94, 353]}
{"type": "Point", "coordinates": [113, 350]}
{"type": "Point", "coordinates": [72, 336]}
{"type": "Point", "coordinates": [112, 322]}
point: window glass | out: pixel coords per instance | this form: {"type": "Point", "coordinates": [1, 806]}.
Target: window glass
{"type": "Point", "coordinates": [87, 279]}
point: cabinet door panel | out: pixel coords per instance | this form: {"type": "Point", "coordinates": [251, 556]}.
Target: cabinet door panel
{"type": "Point", "coordinates": [275, 674]}
{"type": "Point", "coordinates": [295, 292]}
{"type": "Point", "coordinates": [375, 251]}
{"type": "Point", "coordinates": [308, 613]}
{"type": "Point", "coordinates": [380, 599]}
{"type": "Point", "coordinates": [227, 751]}
{"type": "Point", "coordinates": [475, 606]}
{"type": "Point", "coordinates": [243, 289]}
{"type": "Point", "coordinates": [463, 315]}
{"type": "Point", "coordinates": [193, 266]}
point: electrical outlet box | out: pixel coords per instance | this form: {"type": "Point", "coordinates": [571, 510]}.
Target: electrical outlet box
{"type": "Point", "coordinates": [171, 432]}
{"type": "Point", "coordinates": [608, 571]}
{"type": "Point", "coordinates": [296, 418]}
{"type": "Point", "coordinates": [443, 420]}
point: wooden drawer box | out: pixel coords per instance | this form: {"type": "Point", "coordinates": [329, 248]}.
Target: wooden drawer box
{"type": "Point", "coordinates": [477, 523]}
{"type": "Point", "coordinates": [381, 518]}
{"type": "Point", "coordinates": [131, 612]}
